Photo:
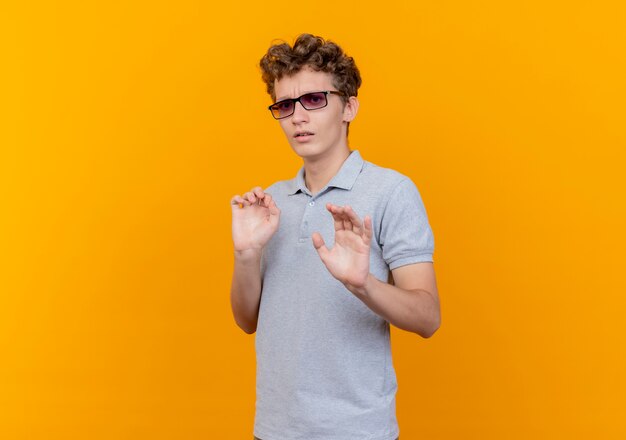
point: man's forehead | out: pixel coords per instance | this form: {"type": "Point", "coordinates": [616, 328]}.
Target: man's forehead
{"type": "Point", "coordinates": [304, 81]}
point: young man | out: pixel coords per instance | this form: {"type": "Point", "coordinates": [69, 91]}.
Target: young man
{"type": "Point", "coordinates": [313, 256]}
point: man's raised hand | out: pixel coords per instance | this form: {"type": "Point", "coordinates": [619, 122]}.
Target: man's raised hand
{"type": "Point", "coordinates": [255, 219]}
{"type": "Point", "coordinates": [349, 259]}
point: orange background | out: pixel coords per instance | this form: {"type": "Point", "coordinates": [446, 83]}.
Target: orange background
{"type": "Point", "coordinates": [126, 128]}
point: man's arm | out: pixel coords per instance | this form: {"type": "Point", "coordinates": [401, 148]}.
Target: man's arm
{"type": "Point", "coordinates": [411, 304]}
{"type": "Point", "coordinates": [245, 290]}
{"type": "Point", "coordinates": [255, 220]}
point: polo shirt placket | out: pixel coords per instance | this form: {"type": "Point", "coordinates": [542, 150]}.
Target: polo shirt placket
{"type": "Point", "coordinates": [343, 180]}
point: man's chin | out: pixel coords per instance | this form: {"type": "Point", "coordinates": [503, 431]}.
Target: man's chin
{"type": "Point", "coordinates": [306, 151]}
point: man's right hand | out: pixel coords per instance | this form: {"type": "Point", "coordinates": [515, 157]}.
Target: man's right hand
{"type": "Point", "coordinates": [255, 220]}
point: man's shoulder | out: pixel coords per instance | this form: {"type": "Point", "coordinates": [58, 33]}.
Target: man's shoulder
{"type": "Point", "coordinates": [384, 179]}
{"type": "Point", "coordinates": [281, 187]}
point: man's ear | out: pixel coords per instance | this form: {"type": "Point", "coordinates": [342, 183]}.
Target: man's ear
{"type": "Point", "coordinates": [350, 109]}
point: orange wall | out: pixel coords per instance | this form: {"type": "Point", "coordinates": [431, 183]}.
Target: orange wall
{"type": "Point", "coordinates": [125, 130]}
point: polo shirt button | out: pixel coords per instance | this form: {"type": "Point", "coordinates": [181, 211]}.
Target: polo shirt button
{"type": "Point", "coordinates": [312, 203]}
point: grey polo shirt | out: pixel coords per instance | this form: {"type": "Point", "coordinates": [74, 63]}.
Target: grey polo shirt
{"type": "Point", "coordinates": [324, 367]}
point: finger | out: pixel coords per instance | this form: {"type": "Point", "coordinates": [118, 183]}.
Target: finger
{"type": "Point", "coordinates": [340, 215]}
{"type": "Point", "coordinates": [274, 217]}
{"type": "Point", "coordinates": [336, 218]}
{"type": "Point", "coordinates": [274, 211]}
{"type": "Point", "coordinates": [320, 247]}
{"type": "Point", "coordinates": [337, 211]}
{"type": "Point", "coordinates": [368, 230]}
{"type": "Point", "coordinates": [267, 199]}
{"type": "Point", "coordinates": [347, 223]}
{"type": "Point", "coordinates": [258, 191]}
{"type": "Point", "coordinates": [240, 201]}
{"type": "Point", "coordinates": [357, 226]}
{"type": "Point", "coordinates": [250, 197]}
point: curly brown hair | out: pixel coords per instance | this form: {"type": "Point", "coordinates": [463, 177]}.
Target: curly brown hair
{"type": "Point", "coordinates": [314, 52]}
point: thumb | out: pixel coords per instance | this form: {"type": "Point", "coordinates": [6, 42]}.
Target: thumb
{"type": "Point", "coordinates": [321, 248]}
{"type": "Point", "coordinates": [274, 213]}
{"type": "Point", "coordinates": [274, 209]}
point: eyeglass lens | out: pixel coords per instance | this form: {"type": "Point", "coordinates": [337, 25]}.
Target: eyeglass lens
{"type": "Point", "coordinates": [310, 101]}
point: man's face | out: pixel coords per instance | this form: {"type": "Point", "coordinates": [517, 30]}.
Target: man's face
{"type": "Point", "coordinates": [314, 134]}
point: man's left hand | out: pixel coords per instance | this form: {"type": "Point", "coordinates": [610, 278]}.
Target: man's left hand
{"type": "Point", "coordinates": [349, 259]}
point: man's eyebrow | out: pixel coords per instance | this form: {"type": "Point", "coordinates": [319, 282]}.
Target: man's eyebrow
{"type": "Point", "coordinates": [282, 98]}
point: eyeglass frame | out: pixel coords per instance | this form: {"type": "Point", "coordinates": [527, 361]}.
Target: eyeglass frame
{"type": "Point", "coordinates": [298, 99]}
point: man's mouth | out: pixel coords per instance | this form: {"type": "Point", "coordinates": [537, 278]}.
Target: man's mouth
{"type": "Point", "coordinates": [303, 133]}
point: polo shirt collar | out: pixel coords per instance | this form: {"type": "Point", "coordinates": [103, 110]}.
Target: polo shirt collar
{"type": "Point", "coordinates": [344, 179]}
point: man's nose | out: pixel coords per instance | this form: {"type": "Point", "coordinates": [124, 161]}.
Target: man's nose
{"type": "Point", "coordinates": [299, 113]}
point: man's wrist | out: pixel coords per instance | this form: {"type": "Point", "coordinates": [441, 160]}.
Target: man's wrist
{"type": "Point", "coordinates": [248, 255]}
{"type": "Point", "coordinates": [364, 289]}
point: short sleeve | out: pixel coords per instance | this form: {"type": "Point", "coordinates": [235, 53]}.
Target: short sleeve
{"type": "Point", "coordinates": [405, 234]}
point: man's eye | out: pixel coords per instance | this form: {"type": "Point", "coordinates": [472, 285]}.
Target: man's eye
{"type": "Point", "coordinates": [285, 105]}
{"type": "Point", "coordinates": [314, 99]}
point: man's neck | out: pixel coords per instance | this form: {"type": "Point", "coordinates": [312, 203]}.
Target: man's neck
{"type": "Point", "coordinates": [319, 171]}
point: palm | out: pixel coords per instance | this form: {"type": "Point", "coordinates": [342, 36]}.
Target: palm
{"type": "Point", "coordinates": [348, 260]}
{"type": "Point", "coordinates": [254, 223]}
{"type": "Point", "coordinates": [252, 227]}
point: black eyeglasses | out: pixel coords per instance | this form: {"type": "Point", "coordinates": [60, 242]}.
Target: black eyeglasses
{"type": "Point", "coordinates": [310, 101]}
